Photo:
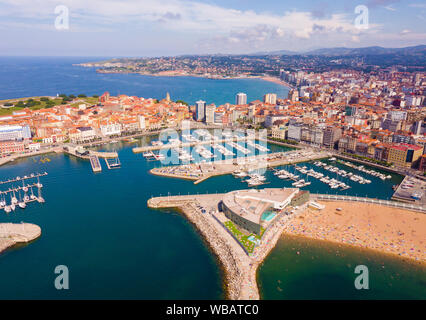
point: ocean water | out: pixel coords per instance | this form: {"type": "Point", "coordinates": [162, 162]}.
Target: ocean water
{"type": "Point", "coordinates": [300, 268]}
{"type": "Point", "coordinates": [38, 76]}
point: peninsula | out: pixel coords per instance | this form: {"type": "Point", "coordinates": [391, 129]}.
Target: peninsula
{"type": "Point", "coordinates": [242, 227]}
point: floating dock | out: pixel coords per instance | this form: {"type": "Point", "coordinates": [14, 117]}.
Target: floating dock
{"type": "Point", "coordinates": [113, 163]}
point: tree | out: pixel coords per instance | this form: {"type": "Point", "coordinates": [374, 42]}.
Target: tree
{"type": "Point", "coordinates": [82, 96]}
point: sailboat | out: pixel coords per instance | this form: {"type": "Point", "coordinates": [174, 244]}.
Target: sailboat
{"type": "Point", "coordinates": [13, 199]}
{"type": "Point", "coordinates": [2, 201]}
{"type": "Point", "coordinates": [12, 205]}
{"type": "Point", "coordinates": [24, 187]}
{"type": "Point", "coordinates": [21, 203]}
{"type": "Point", "coordinates": [32, 196]}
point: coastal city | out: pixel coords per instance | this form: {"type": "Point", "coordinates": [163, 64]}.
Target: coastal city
{"type": "Point", "coordinates": [211, 158]}
{"type": "Point", "coordinates": [379, 119]}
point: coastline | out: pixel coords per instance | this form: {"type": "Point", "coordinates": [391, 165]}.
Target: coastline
{"type": "Point", "coordinates": [180, 74]}
{"type": "Point", "coordinates": [14, 233]}
{"type": "Point", "coordinates": [277, 81]}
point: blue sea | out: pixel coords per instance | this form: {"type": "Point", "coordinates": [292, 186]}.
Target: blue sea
{"type": "Point", "coordinates": [39, 76]}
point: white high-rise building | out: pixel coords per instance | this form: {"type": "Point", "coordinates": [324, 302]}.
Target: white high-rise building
{"type": "Point", "coordinates": [270, 98]}
{"type": "Point", "coordinates": [241, 99]}
{"type": "Point", "coordinates": [200, 110]}
{"type": "Point", "coordinates": [210, 109]}
{"type": "Point", "coordinates": [142, 124]}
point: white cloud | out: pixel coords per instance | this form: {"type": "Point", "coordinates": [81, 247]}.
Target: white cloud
{"type": "Point", "coordinates": [209, 27]}
{"type": "Point", "coordinates": [390, 8]}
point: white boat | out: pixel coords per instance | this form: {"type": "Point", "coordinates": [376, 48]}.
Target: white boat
{"type": "Point", "coordinates": [13, 199]}
{"type": "Point", "coordinates": [7, 209]}
{"type": "Point", "coordinates": [241, 174]}
{"type": "Point", "coordinates": [22, 205]}
{"type": "Point", "coordinates": [32, 196]}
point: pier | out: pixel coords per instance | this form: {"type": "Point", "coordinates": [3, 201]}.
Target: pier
{"type": "Point", "coordinates": [31, 176]}
{"type": "Point", "coordinates": [94, 162]}
{"type": "Point", "coordinates": [411, 190]}
{"type": "Point", "coordinates": [113, 163]}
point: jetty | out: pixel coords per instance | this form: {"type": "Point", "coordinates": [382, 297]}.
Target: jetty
{"type": "Point", "coordinates": [113, 163]}
{"type": "Point", "coordinates": [94, 162]}
{"type": "Point", "coordinates": [13, 233]}
{"type": "Point", "coordinates": [18, 179]}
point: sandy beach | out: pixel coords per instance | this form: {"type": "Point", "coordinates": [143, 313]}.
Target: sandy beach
{"type": "Point", "coordinates": [371, 226]}
{"type": "Point", "coordinates": [277, 81]}
{"type": "Point", "coordinates": [13, 233]}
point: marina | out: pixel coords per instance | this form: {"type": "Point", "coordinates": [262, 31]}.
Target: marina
{"type": "Point", "coordinates": [202, 171]}
{"type": "Point", "coordinates": [342, 173]}
{"type": "Point", "coordinates": [19, 196]}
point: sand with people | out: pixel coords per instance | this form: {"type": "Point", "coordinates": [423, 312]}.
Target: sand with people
{"type": "Point", "coordinates": [371, 226]}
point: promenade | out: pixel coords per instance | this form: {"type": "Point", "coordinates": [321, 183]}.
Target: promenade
{"type": "Point", "coordinates": [15, 156]}
{"type": "Point", "coordinates": [12, 233]}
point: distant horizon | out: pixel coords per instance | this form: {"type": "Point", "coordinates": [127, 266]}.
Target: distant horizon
{"type": "Point", "coordinates": [206, 54]}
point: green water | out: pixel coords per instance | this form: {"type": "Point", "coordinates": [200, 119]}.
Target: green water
{"type": "Point", "coordinates": [301, 268]}
{"type": "Point", "coordinates": [114, 246]}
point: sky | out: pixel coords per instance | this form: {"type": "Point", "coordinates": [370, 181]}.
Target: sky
{"type": "Point", "coordinates": [146, 28]}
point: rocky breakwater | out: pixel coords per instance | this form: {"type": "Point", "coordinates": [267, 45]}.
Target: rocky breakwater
{"type": "Point", "coordinates": [13, 233]}
{"type": "Point", "coordinates": [231, 256]}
